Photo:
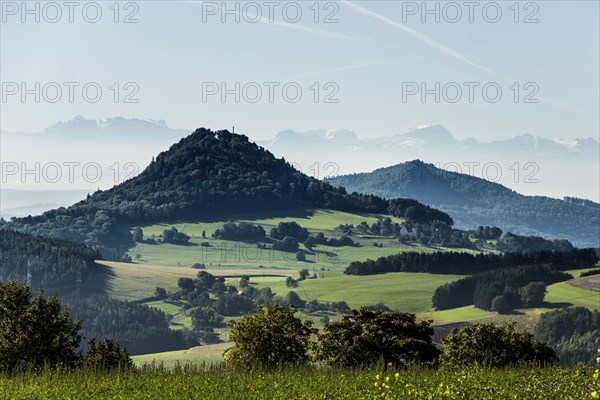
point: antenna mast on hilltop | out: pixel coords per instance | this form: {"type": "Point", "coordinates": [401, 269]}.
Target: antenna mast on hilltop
{"type": "Point", "coordinates": [233, 130]}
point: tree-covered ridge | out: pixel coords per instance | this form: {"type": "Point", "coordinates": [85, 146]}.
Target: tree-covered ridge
{"type": "Point", "coordinates": [57, 266]}
{"type": "Point", "coordinates": [474, 201]}
{"type": "Point", "coordinates": [140, 328]}
{"type": "Point", "coordinates": [68, 270]}
{"type": "Point", "coordinates": [206, 173]}
{"type": "Point", "coordinates": [467, 263]}
{"type": "Point", "coordinates": [573, 331]}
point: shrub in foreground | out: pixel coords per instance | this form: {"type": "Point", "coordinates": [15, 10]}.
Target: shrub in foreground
{"type": "Point", "coordinates": [364, 337]}
{"type": "Point", "coordinates": [493, 346]}
{"type": "Point", "coordinates": [271, 337]}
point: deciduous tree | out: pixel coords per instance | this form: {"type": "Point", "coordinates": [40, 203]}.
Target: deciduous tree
{"type": "Point", "coordinates": [34, 332]}
{"type": "Point", "coordinates": [364, 337]}
{"type": "Point", "coordinates": [271, 337]}
{"type": "Point", "coordinates": [493, 346]}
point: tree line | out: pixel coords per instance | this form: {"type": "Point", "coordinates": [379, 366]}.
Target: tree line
{"type": "Point", "coordinates": [273, 337]}
{"type": "Point", "coordinates": [499, 290]}
{"type": "Point", "coordinates": [467, 263]}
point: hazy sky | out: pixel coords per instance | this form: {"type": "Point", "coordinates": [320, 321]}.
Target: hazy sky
{"type": "Point", "coordinates": [374, 58]}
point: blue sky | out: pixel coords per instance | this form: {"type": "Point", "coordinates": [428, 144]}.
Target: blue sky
{"type": "Point", "coordinates": [367, 61]}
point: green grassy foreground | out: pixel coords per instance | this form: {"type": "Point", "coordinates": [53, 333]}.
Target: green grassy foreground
{"type": "Point", "coordinates": [188, 383]}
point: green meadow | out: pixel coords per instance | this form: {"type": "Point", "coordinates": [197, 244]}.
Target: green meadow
{"type": "Point", "coordinates": [402, 291]}
{"type": "Point", "coordinates": [230, 254]}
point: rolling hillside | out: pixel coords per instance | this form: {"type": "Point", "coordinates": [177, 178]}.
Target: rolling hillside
{"type": "Point", "coordinates": [205, 174]}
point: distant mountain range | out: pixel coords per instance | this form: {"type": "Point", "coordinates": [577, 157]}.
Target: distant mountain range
{"type": "Point", "coordinates": [529, 164]}
{"type": "Point", "coordinates": [123, 129]}
{"type": "Point", "coordinates": [472, 202]}
{"type": "Point", "coordinates": [427, 138]}
{"type": "Point", "coordinates": [123, 147]}
{"type": "Point", "coordinates": [21, 203]}
{"type": "Point", "coordinates": [119, 147]}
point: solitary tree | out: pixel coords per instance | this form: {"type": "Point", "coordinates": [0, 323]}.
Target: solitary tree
{"type": "Point", "coordinates": [34, 331]}
{"type": "Point", "coordinates": [303, 274]}
{"type": "Point", "coordinates": [501, 305]}
{"type": "Point", "coordinates": [172, 235]}
{"type": "Point", "coordinates": [138, 234]}
{"type": "Point", "coordinates": [292, 299]}
{"type": "Point", "coordinates": [271, 337]}
{"type": "Point", "coordinates": [160, 293]}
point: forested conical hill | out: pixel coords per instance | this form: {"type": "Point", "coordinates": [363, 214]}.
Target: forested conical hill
{"type": "Point", "coordinates": [207, 173]}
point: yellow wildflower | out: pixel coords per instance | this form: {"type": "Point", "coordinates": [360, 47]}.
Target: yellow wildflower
{"type": "Point", "coordinates": [595, 395]}
{"type": "Point", "coordinates": [387, 378]}
{"type": "Point", "coordinates": [397, 375]}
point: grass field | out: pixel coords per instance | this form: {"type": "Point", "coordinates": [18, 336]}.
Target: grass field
{"type": "Point", "coordinates": [133, 282]}
{"type": "Point", "coordinates": [402, 291]}
{"type": "Point", "coordinates": [565, 294]}
{"type": "Point", "coordinates": [317, 220]}
{"type": "Point", "coordinates": [567, 383]}
{"type": "Point", "coordinates": [459, 314]}
{"type": "Point", "coordinates": [196, 355]}
{"type": "Point", "coordinates": [227, 254]}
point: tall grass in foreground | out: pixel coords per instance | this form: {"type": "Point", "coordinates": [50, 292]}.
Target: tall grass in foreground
{"type": "Point", "coordinates": [215, 382]}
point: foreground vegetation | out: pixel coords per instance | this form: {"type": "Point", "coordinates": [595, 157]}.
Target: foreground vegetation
{"type": "Point", "coordinates": [305, 383]}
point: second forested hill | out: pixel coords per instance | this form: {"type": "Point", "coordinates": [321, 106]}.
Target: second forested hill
{"type": "Point", "coordinates": [472, 202]}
